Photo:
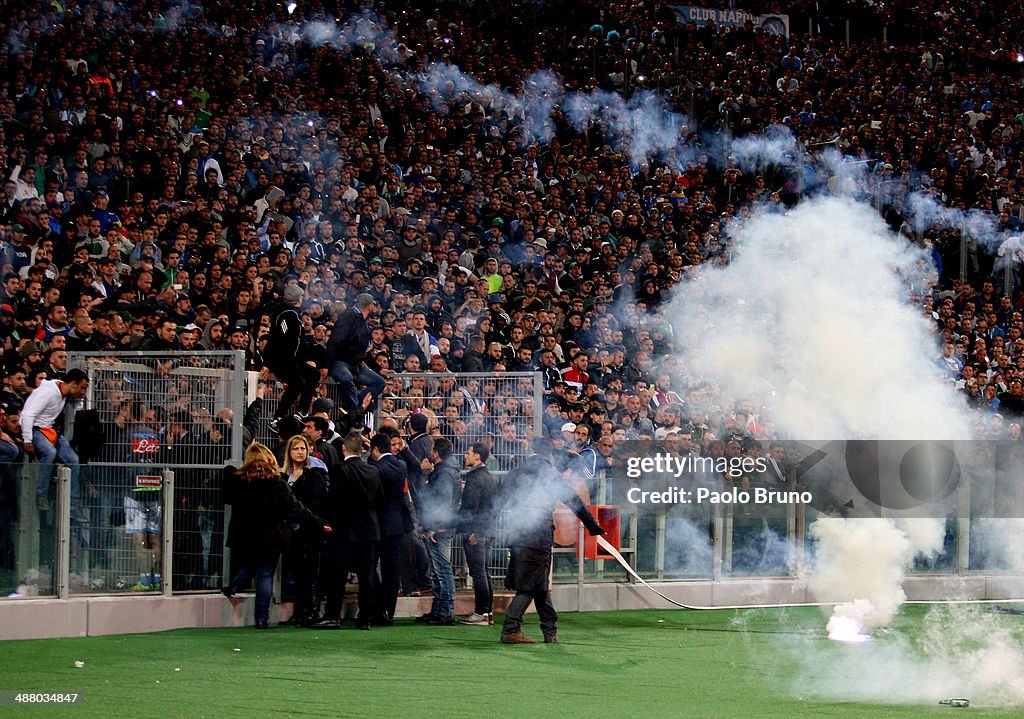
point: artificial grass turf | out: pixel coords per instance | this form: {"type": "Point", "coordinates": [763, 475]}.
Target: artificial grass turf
{"type": "Point", "coordinates": [655, 663]}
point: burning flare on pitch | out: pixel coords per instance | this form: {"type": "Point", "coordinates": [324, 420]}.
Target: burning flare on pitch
{"type": "Point", "coordinates": [847, 622]}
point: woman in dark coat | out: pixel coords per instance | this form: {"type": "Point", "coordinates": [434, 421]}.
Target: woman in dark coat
{"type": "Point", "coordinates": [302, 555]}
{"type": "Point", "coordinates": [261, 505]}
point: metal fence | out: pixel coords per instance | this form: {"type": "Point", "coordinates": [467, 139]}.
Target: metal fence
{"type": "Point", "coordinates": [155, 415]}
{"type": "Point", "coordinates": [29, 538]}
{"type": "Point", "coordinates": [172, 409]}
{"type": "Point", "coordinates": [140, 533]}
{"type": "Point", "coordinates": [502, 410]}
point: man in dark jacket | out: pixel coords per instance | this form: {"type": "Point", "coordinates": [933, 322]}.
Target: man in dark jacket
{"type": "Point", "coordinates": [421, 446]}
{"type": "Point", "coordinates": [531, 491]}
{"type": "Point", "coordinates": [395, 523]}
{"type": "Point", "coordinates": [346, 349]}
{"type": "Point", "coordinates": [284, 356]}
{"type": "Point", "coordinates": [354, 503]}
{"type": "Point", "coordinates": [415, 562]}
{"type": "Point", "coordinates": [477, 523]}
{"type": "Point", "coordinates": [438, 508]}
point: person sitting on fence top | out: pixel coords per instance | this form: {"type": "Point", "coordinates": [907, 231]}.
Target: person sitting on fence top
{"type": "Point", "coordinates": [347, 349]}
{"type": "Point", "coordinates": [43, 408]}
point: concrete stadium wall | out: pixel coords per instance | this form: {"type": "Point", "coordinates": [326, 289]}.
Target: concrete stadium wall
{"type": "Point", "coordinates": [101, 615]}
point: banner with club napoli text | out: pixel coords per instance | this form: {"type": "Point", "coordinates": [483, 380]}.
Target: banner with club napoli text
{"type": "Point", "coordinates": [773, 23]}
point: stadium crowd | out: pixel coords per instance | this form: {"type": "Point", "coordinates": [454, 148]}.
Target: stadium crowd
{"type": "Point", "coordinates": [179, 177]}
{"type": "Point", "coordinates": [169, 170]}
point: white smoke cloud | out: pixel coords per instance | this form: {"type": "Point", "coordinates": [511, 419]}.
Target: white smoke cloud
{"type": "Point", "coordinates": [814, 309]}
{"type": "Point", "coordinates": [643, 125]}
{"type": "Point", "coordinates": [812, 319]}
{"type": "Point", "coordinates": [861, 563]}
{"type": "Point", "coordinates": [755, 153]}
{"type": "Point", "coordinates": [961, 652]}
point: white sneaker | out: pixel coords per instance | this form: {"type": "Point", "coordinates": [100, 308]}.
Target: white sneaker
{"type": "Point", "coordinates": [475, 619]}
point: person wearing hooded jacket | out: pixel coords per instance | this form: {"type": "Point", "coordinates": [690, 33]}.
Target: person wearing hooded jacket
{"type": "Point", "coordinates": [213, 336]}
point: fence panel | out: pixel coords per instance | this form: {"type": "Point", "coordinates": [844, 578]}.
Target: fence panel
{"type": "Point", "coordinates": [174, 409]}
{"type": "Point", "coordinates": [502, 410]}
{"type": "Point", "coordinates": [28, 535]}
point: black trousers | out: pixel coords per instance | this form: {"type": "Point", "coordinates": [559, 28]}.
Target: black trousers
{"type": "Point", "coordinates": [483, 590]}
{"type": "Point", "coordinates": [302, 381]}
{"type": "Point", "coordinates": [350, 556]}
{"type": "Point", "coordinates": [545, 608]}
{"type": "Point", "coordinates": [300, 568]}
{"type": "Point", "coordinates": [528, 575]}
{"type": "Point", "coordinates": [390, 551]}
{"type": "Point", "coordinates": [414, 566]}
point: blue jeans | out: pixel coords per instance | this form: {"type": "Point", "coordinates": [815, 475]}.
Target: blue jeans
{"type": "Point", "coordinates": [264, 574]}
{"type": "Point", "coordinates": [46, 453]}
{"type": "Point", "coordinates": [341, 372]}
{"type": "Point", "coordinates": [443, 579]}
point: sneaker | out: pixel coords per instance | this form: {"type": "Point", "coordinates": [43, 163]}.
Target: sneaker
{"type": "Point", "coordinates": [78, 515]}
{"type": "Point", "coordinates": [490, 617]}
{"type": "Point", "coordinates": [261, 625]}
{"type": "Point", "coordinates": [551, 640]}
{"type": "Point", "coordinates": [517, 638]}
{"type": "Point", "coordinates": [442, 622]}
{"type": "Point", "coordinates": [475, 619]}
{"type": "Point", "coordinates": [424, 618]}
{"type": "Point", "coordinates": [326, 624]}
{"type": "Point", "coordinates": [42, 503]}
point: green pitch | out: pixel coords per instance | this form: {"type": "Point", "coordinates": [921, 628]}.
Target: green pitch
{"type": "Point", "coordinates": [674, 663]}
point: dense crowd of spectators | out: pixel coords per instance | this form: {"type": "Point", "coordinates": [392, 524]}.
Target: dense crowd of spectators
{"type": "Point", "coordinates": [170, 169]}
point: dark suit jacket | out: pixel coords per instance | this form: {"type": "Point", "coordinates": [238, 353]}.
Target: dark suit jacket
{"type": "Point", "coordinates": [395, 520]}
{"type": "Point", "coordinates": [355, 500]}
